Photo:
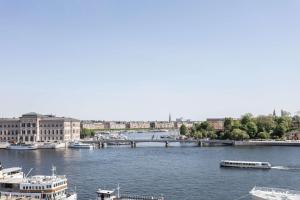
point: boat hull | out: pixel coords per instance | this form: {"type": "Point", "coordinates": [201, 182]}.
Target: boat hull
{"type": "Point", "coordinates": [22, 148]}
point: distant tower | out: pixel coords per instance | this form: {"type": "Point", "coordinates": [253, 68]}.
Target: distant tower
{"type": "Point", "coordinates": [274, 113]}
{"type": "Point", "coordinates": [170, 118]}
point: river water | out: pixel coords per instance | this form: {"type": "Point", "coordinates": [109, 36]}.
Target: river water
{"type": "Point", "coordinates": [178, 172]}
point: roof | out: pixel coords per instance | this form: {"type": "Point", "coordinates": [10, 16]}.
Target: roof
{"type": "Point", "coordinates": [105, 191]}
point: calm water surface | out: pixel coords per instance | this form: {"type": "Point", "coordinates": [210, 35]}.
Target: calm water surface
{"type": "Point", "coordinates": [176, 172]}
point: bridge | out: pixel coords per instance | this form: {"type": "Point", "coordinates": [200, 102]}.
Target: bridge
{"type": "Point", "coordinates": [133, 142]}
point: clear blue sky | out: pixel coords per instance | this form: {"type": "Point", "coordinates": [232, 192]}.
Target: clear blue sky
{"type": "Point", "coordinates": [141, 59]}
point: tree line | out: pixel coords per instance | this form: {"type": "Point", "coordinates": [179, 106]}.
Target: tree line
{"type": "Point", "coordinates": [247, 127]}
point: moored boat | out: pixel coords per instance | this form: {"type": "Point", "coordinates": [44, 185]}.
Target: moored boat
{"type": "Point", "coordinates": [22, 146]}
{"type": "Point", "coordinates": [4, 145]}
{"type": "Point", "coordinates": [245, 164]}
{"type": "Point", "coordinates": [80, 145]}
{"type": "Point", "coordinates": [51, 145]}
{"type": "Point", "coordinates": [13, 183]}
{"type": "Point", "coordinates": [264, 193]}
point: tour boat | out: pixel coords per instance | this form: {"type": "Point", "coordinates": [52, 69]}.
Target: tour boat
{"type": "Point", "coordinates": [13, 183]}
{"type": "Point", "coordinates": [245, 164]}
{"type": "Point", "coordinates": [110, 195]}
{"type": "Point", "coordinates": [51, 145]}
{"type": "Point", "coordinates": [79, 145]}
{"type": "Point", "coordinates": [263, 193]}
{"type": "Point", "coordinates": [4, 145]}
{"type": "Point", "coordinates": [22, 146]}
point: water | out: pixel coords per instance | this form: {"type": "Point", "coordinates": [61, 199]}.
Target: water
{"type": "Point", "coordinates": [177, 172]}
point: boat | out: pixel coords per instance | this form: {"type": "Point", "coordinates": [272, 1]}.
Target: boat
{"type": "Point", "coordinates": [22, 146]}
{"type": "Point", "coordinates": [245, 164]}
{"type": "Point", "coordinates": [264, 193]}
{"type": "Point", "coordinates": [4, 145]}
{"type": "Point", "coordinates": [51, 145]}
{"type": "Point", "coordinates": [110, 195]}
{"type": "Point", "coordinates": [80, 145]}
{"type": "Point", "coordinates": [13, 183]}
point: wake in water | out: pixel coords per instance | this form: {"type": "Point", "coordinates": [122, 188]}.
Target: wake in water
{"type": "Point", "coordinates": [286, 168]}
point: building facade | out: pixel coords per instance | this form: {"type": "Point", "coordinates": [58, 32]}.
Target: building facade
{"type": "Point", "coordinates": [33, 127]}
{"type": "Point", "coordinates": [217, 123]}
{"type": "Point", "coordinates": [162, 125]}
{"type": "Point", "coordinates": [115, 125]}
{"type": "Point", "coordinates": [92, 125]}
{"type": "Point", "coordinates": [138, 125]}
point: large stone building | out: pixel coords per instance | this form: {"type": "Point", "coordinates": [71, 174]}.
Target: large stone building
{"type": "Point", "coordinates": [92, 125]}
{"type": "Point", "coordinates": [217, 123]}
{"type": "Point", "coordinates": [162, 125]}
{"type": "Point", "coordinates": [138, 125]}
{"type": "Point", "coordinates": [33, 127]}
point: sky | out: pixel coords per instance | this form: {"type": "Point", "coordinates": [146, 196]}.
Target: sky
{"type": "Point", "coordinates": [141, 60]}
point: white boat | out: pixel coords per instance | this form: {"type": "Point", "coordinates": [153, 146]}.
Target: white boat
{"type": "Point", "coordinates": [51, 145]}
{"type": "Point", "coordinates": [4, 145]}
{"type": "Point", "coordinates": [245, 164]}
{"type": "Point", "coordinates": [263, 193]}
{"type": "Point", "coordinates": [79, 145]}
{"type": "Point", "coordinates": [22, 146]}
{"type": "Point", "coordinates": [110, 195]}
{"type": "Point", "coordinates": [13, 183]}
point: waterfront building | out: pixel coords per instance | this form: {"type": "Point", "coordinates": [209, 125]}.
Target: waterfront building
{"type": "Point", "coordinates": [138, 125]}
{"type": "Point", "coordinates": [162, 125]}
{"type": "Point", "coordinates": [178, 124]}
{"type": "Point", "coordinates": [92, 125]}
{"type": "Point", "coordinates": [33, 127]}
{"type": "Point", "coordinates": [115, 125]}
{"type": "Point", "coordinates": [217, 123]}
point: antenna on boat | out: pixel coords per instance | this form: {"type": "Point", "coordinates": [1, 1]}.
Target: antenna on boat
{"type": "Point", "coordinates": [118, 190]}
{"type": "Point", "coordinates": [53, 169]}
{"type": "Point", "coordinates": [28, 172]}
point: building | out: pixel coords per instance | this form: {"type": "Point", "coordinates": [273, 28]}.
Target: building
{"type": "Point", "coordinates": [115, 125]}
{"type": "Point", "coordinates": [92, 125]}
{"type": "Point", "coordinates": [217, 123]}
{"type": "Point", "coordinates": [33, 127]}
{"type": "Point", "coordinates": [186, 123]}
{"type": "Point", "coordinates": [138, 125]}
{"type": "Point", "coordinates": [162, 125]}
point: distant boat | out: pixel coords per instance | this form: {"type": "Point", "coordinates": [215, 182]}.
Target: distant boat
{"type": "Point", "coordinates": [79, 145]}
{"type": "Point", "coordinates": [245, 164]}
{"type": "Point", "coordinates": [22, 146]}
{"type": "Point", "coordinates": [263, 193]}
{"type": "Point", "coordinates": [4, 145]}
{"type": "Point", "coordinates": [51, 145]}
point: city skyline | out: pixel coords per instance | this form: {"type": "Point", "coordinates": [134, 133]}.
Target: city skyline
{"type": "Point", "coordinates": [141, 60]}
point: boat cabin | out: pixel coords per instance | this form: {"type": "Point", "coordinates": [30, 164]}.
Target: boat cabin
{"type": "Point", "coordinates": [106, 195]}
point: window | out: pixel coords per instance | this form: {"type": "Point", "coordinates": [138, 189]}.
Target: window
{"type": "Point", "coordinates": [33, 125]}
{"type": "Point", "coordinates": [28, 124]}
{"type": "Point", "coordinates": [23, 124]}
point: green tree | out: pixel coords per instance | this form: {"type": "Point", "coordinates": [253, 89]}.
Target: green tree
{"type": "Point", "coordinates": [251, 129]}
{"type": "Point", "coordinates": [263, 135]}
{"type": "Point", "coordinates": [184, 130]}
{"type": "Point", "coordinates": [265, 123]}
{"type": "Point", "coordinates": [247, 118]}
{"type": "Point", "coordinates": [87, 133]}
{"type": "Point", "coordinates": [228, 124]}
{"type": "Point", "coordinates": [238, 134]}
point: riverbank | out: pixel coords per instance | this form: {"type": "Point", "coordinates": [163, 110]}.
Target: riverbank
{"type": "Point", "coordinates": [267, 143]}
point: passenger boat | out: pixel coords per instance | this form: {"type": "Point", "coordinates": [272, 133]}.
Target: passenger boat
{"type": "Point", "coordinates": [4, 145]}
{"type": "Point", "coordinates": [79, 145]}
{"type": "Point", "coordinates": [13, 183]}
{"type": "Point", "coordinates": [22, 146]}
{"type": "Point", "coordinates": [263, 193]}
{"type": "Point", "coordinates": [110, 195]}
{"type": "Point", "coordinates": [245, 164]}
{"type": "Point", "coordinates": [51, 145]}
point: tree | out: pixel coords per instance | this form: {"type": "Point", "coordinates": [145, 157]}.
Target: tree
{"type": "Point", "coordinates": [228, 124]}
{"type": "Point", "coordinates": [238, 134]}
{"type": "Point", "coordinates": [251, 129]}
{"type": "Point", "coordinates": [247, 118]}
{"type": "Point", "coordinates": [296, 122]}
{"type": "Point", "coordinates": [265, 123]}
{"type": "Point", "coordinates": [183, 130]}
{"type": "Point", "coordinates": [87, 133]}
{"type": "Point", "coordinates": [263, 135]}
